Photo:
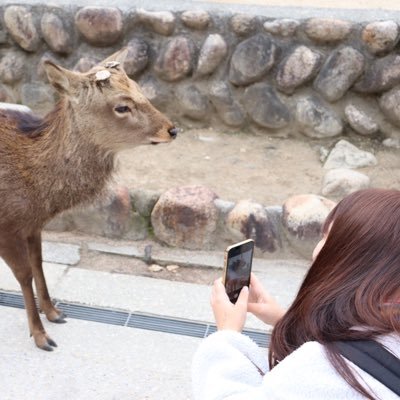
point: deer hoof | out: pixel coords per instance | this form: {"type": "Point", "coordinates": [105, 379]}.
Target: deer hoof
{"type": "Point", "coordinates": [45, 343]}
{"type": "Point", "coordinates": [60, 319]}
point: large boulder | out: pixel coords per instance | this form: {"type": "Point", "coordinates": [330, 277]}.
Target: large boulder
{"type": "Point", "coordinates": [303, 218]}
{"type": "Point", "coordinates": [251, 220]}
{"type": "Point", "coordinates": [346, 155]}
{"type": "Point", "coordinates": [186, 217]}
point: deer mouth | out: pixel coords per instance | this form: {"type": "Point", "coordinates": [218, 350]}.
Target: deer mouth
{"type": "Point", "coordinates": [154, 141]}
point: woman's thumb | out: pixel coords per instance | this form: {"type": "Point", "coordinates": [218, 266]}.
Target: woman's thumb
{"type": "Point", "coordinates": [243, 296]}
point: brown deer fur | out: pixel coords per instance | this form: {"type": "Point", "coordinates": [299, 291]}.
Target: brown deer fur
{"type": "Point", "coordinates": [52, 164]}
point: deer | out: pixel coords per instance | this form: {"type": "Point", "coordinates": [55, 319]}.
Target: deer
{"type": "Point", "coordinates": [53, 163]}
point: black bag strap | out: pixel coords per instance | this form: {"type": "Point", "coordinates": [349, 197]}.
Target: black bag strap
{"type": "Point", "coordinates": [374, 359]}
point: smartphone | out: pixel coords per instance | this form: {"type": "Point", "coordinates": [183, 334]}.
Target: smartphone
{"type": "Point", "coordinates": [237, 268]}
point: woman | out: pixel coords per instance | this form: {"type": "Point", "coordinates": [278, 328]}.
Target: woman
{"type": "Point", "coordinates": [351, 291]}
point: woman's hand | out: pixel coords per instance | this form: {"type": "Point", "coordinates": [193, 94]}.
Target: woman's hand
{"type": "Point", "coordinates": [227, 315]}
{"type": "Point", "coordinates": [262, 304]}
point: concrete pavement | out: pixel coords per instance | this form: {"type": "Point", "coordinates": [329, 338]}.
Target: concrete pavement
{"type": "Point", "coordinates": [103, 361]}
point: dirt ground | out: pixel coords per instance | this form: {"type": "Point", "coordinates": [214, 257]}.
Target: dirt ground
{"type": "Point", "coordinates": [244, 165]}
{"type": "Point", "coordinates": [236, 166]}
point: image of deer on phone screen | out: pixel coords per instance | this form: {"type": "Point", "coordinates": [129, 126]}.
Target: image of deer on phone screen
{"type": "Point", "coordinates": [237, 268]}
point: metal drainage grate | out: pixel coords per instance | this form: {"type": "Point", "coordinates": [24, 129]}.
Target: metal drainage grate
{"type": "Point", "coordinates": [151, 322]}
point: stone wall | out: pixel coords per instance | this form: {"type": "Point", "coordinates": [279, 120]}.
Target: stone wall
{"type": "Point", "coordinates": [315, 78]}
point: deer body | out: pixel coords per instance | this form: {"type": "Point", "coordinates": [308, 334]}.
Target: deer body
{"type": "Point", "coordinates": [53, 164]}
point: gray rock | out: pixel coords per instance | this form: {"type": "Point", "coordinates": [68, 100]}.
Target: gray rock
{"type": "Point", "coordinates": [340, 182]}
{"type": "Point", "coordinates": [112, 218]}
{"type": "Point", "coordinates": [243, 24]}
{"type": "Point", "coordinates": [196, 19]}
{"type": "Point", "coordinates": [175, 60]}
{"type": "Point", "coordinates": [19, 22]}
{"type": "Point", "coordinates": [284, 27]}
{"type": "Point", "coordinates": [250, 220]}
{"type": "Point", "coordinates": [228, 109]}
{"type": "Point", "coordinates": [339, 72]}
{"type": "Point", "coordinates": [84, 64]}
{"type": "Point", "coordinates": [100, 26]}
{"type": "Point", "coordinates": [193, 103]}
{"type": "Point", "coordinates": [327, 29]}
{"type": "Point", "coordinates": [213, 51]}
{"type": "Point", "coordinates": [251, 60]}
{"type": "Point", "coordinates": [186, 217]}
{"type": "Point", "coordinates": [297, 68]}
{"type": "Point", "coordinates": [6, 94]}
{"type": "Point", "coordinates": [264, 106]}
{"type": "Point", "coordinates": [12, 67]}
{"type": "Point", "coordinates": [360, 121]}
{"type": "Point", "coordinates": [346, 155]}
{"type": "Point", "coordinates": [389, 104]}
{"type": "Point", "coordinates": [381, 74]}
{"type": "Point", "coordinates": [162, 22]}
{"type": "Point", "coordinates": [303, 218]}
{"type": "Point", "coordinates": [143, 201]}
{"type": "Point", "coordinates": [154, 91]}
{"type": "Point", "coordinates": [55, 34]}
{"type": "Point", "coordinates": [316, 120]}
{"type": "Point", "coordinates": [39, 97]}
{"type": "Point", "coordinates": [137, 58]}
{"type": "Point", "coordinates": [392, 143]}
{"type": "Point", "coordinates": [380, 36]}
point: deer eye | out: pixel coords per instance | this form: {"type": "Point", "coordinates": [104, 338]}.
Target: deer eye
{"type": "Point", "coordinates": [122, 109]}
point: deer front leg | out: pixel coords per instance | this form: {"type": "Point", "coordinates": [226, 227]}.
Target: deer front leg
{"type": "Point", "coordinates": [45, 304]}
{"type": "Point", "coordinates": [16, 256]}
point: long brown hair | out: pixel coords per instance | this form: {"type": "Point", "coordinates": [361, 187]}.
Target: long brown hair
{"type": "Point", "coordinates": [354, 281]}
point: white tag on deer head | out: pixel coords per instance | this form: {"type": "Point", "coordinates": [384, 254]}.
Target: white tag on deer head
{"type": "Point", "coordinates": [112, 64]}
{"type": "Point", "coordinates": [102, 75]}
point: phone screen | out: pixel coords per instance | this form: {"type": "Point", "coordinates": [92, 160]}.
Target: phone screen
{"type": "Point", "coordinates": [238, 261]}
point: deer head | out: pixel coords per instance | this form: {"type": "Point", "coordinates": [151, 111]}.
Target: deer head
{"type": "Point", "coordinates": [109, 107]}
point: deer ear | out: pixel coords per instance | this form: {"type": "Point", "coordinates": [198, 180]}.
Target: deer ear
{"type": "Point", "coordinates": [62, 79]}
{"type": "Point", "coordinates": [118, 57]}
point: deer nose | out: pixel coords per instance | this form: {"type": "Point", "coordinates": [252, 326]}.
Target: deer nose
{"type": "Point", "coordinates": [173, 132]}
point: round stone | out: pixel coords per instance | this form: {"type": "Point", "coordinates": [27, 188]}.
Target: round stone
{"type": "Point", "coordinates": [19, 22]}
{"type": "Point", "coordinates": [249, 220]}
{"type": "Point", "coordinates": [284, 27]}
{"type": "Point", "coordinates": [243, 24]}
{"type": "Point", "coordinates": [251, 60]}
{"type": "Point", "coordinates": [12, 67]}
{"type": "Point", "coordinates": [137, 58]}
{"type": "Point", "coordinates": [297, 68]}
{"type": "Point", "coordinates": [340, 182]}
{"type": "Point", "coordinates": [382, 74]}
{"type": "Point", "coordinates": [193, 103]}
{"type": "Point", "coordinates": [175, 60]}
{"type": "Point", "coordinates": [303, 219]}
{"type": "Point", "coordinates": [265, 107]}
{"type": "Point", "coordinates": [389, 103]}
{"type": "Point", "coordinates": [380, 36]}
{"type": "Point", "coordinates": [186, 217]}
{"type": "Point", "coordinates": [100, 26]}
{"type": "Point", "coordinates": [162, 22]}
{"type": "Point", "coordinates": [316, 120]}
{"type": "Point", "coordinates": [55, 34]}
{"type": "Point", "coordinates": [213, 51]}
{"type": "Point", "coordinates": [327, 29]}
{"type": "Point", "coordinates": [196, 19]}
{"type": "Point", "coordinates": [346, 155]}
{"type": "Point", "coordinates": [339, 72]}
{"type": "Point", "coordinates": [360, 121]}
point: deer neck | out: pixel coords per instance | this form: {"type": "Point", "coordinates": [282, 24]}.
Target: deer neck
{"type": "Point", "coordinates": [73, 170]}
